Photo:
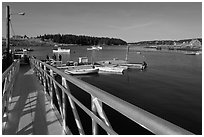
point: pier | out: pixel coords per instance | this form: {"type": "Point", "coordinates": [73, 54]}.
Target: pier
{"type": "Point", "coordinates": [35, 103]}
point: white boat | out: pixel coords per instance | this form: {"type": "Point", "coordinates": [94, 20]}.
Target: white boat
{"type": "Point", "coordinates": [57, 64]}
{"type": "Point", "coordinates": [135, 65]}
{"type": "Point", "coordinates": [194, 53]}
{"type": "Point", "coordinates": [59, 50]}
{"type": "Point", "coordinates": [198, 53]}
{"type": "Point", "coordinates": [81, 71]}
{"type": "Point", "coordinates": [111, 69]}
{"type": "Point", "coordinates": [95, 48]}
{"type": "Point", "coordinates": [114, 61]}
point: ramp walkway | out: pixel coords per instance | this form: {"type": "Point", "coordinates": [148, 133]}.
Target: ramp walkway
{"type": "Point", "coordinates": [30, 111]}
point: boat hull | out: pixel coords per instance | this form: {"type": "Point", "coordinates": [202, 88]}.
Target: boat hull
{"type": "Point", "coordinates": [134, 66]}
{"type": "Point", "coordinates": [81, 71]}
{"type": "Point", "coordinates": [111, 69]}
{"type": "Point", "coordinates": [61, 51]}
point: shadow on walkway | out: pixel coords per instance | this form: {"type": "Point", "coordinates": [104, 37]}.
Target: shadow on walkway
{"type": "Point", "coordinates": [30, 112]}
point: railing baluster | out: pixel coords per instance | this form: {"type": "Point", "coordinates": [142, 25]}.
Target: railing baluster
{"type": "Point", "coordinates": [99, 108]}
{"type": "Point", "coordinates": [64, 109]}
{"type": "Point", "coordinates": [94, 124]}
{"type": "Point", "coordinates": [48, 85]}
{"type": "Point", "coordinates": [74, 110]}
{"type": "Point", "coordinates": [45, 80]}
{"type": "Point", "coordinates": [5, 84]}
{"type": "Point", "coordinates": [41, 74]}
{"type": "Point", "coordinates": [51, 87]}
{"type": "Point", "coordinates": [58, 99]}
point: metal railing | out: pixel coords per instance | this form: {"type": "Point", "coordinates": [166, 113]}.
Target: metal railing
{"type": "Point", "coordinates": [8, 79]}
{"type": "Point", "coordinates": [99, 97]}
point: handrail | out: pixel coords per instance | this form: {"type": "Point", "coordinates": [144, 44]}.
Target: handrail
{"type": "Point", "coordinates": [8, 79]}
{"type": "Point", "coordinates": [147, 120]}
{"type": "Point", "coordinates": [8, 69]}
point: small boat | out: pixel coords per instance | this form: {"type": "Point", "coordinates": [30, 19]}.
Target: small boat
{"type": "Point", "coordinates": [59, 50]}
{"type": "Point", "coordinates": [135, 65]}
{"type": "Point", "coordinates": [114, 61]}
{"type": "Point", "coordinates": [111, 69]}
{"type": "Point", "coordinates": [95, 48]}
{"type": "Point", "coordinates": [57, 64]}
{"type": "Point", "coordinates": [123, 63]}
{"type": "Point", "coordinates": [20, 50]}
{"type": "Point", "coordinates": [193, 53]}
{"type": "Point", "coordinates": [29, 49]}
{"type": "Point", "coordinates": [198, 53]}
{"type": "Point", "coordinates": [81, 71]}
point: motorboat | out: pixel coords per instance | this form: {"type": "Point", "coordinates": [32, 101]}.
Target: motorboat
{"type": "Point", "coordinates": [122, 63]}
{"type": "Point", "coordinates": [114, 61]}
{"type": "Point", "coordinates": [193, 53]}
{"type": "Point", "coordinates": [111, 68]}
{"type": "Point", "coordinates": [95, 48]}
{"type": "Point", "coordinates": [81, 70]}
{"type": "Point", "coordinates": [57, 64]}
{"type": "Point", "coordinates": [135, 65]}
{"type": "Point", "coordinates": [60, 50]}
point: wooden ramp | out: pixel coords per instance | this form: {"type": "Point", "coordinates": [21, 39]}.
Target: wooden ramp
{"type": "Point", "coordinates": [30, 112]}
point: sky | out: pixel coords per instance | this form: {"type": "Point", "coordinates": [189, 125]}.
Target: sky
{"type": "Point", "coordinates": [130, 21]}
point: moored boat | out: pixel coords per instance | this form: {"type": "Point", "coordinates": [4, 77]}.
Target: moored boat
{"type": "Point", "coordinates": [123, 63]}
{"type": "Point", "coordinates": [135, 65]}
{"type": "Point", "coordinates": [111, 68]}
{"type": "Point", "coordinates": [95, 48]}
{"type": "Point", "coordinates": [57, 64]}
{"type": "Point", "coordinates": [59, 50]}
{"type": "Point", "coordinates": [193, 53]}
{"type": "Point", "coordinates": [81, 71]}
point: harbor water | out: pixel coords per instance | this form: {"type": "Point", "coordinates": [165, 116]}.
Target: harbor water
{"type": "Point", "coordinates": [171, 86]}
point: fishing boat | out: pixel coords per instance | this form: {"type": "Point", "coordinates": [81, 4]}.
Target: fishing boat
{"type": "Point", "coordinates": [60, 50]}
{"type": "Point", "coordinates": [95, 48]}
{"type": "Point", "coordinates": [81, 71]}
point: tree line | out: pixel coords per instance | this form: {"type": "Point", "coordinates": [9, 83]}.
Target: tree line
{"type": "Point", "coordinates": [165, 42]}
{"type": "Point", "coordinates": [81, 40]}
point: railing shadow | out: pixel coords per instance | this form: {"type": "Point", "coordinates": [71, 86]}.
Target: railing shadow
{"type": "Point", "coordinates": [28, 108]}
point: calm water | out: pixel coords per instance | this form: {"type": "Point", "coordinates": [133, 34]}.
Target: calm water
{"type": "Point", "coordinates": [170, 88]}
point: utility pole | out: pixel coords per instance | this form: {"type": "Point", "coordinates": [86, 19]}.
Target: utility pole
{"type": "Point", "coordinates": [7, 34]}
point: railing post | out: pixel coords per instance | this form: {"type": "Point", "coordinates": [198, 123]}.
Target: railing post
{"type": "Point", "coordinates": [74, 110]}
{"type": "Point", "coordinates": [64, 106]}
{"type": "Point", "coordinates": [40, 66]}
{"type": "Point", "coordinates": [44, 83]}
{"type": "Point", "coordinates": [51, 87]}
{"type": "Point", "coordinates": [5, 84]}
{"type": "Point", "coordinates": [94, 124]}
{"type": "Point", "coordinates": [99, 109]}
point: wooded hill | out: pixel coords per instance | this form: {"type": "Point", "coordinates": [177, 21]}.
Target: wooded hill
{"type": "Point", "coordinates": [165, 42]}
{"type": "Point", "coordinates": [81, 40]}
